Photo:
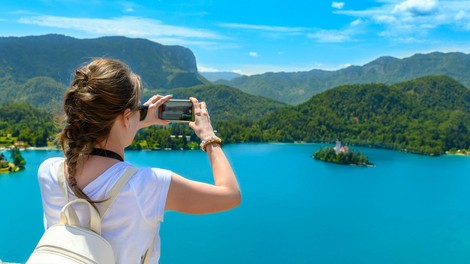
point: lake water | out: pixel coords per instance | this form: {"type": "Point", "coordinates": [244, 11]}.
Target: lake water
{"type": "Point", "coordinates": [407, 209]}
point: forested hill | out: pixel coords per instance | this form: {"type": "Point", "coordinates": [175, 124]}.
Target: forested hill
{"type": "Point", "coordinates": [227, 103]}
{"type": "Point", "coordinates": [298, 87]}
{"type": "Point", "coordinates": [428, 115]}
{"type": "Point", "coordinates": [23, 122]}
{"type": "Point", "coordinates": [56, 56]}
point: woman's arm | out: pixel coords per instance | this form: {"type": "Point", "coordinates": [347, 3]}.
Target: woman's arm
{"type": "Point", "coordinates": [193, 197]}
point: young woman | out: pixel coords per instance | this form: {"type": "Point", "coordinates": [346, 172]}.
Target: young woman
{"type": "Point", "coordinates": [102, 115]}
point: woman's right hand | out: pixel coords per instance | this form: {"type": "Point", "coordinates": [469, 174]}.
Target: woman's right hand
{"type": "Point", "coordinates": [154, 103]}
{"type": "Point", "coordinates": [202, 122]}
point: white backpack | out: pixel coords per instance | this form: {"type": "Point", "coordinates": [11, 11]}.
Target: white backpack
{"type": "Point", "coordinates": [68, 242]}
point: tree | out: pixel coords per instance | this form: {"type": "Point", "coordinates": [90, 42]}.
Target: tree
{"type": "Point", "coordinates": [18, 160]}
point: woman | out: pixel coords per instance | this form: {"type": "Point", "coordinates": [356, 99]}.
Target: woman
{"type": "Point", "coordinates": [102, 116]}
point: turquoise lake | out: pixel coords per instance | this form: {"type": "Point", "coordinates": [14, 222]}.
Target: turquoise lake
{"type": "Point", "coordinates": [408, 209]}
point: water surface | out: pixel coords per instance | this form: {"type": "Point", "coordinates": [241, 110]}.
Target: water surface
{"type": "Point", "coordinates": [408, 209]}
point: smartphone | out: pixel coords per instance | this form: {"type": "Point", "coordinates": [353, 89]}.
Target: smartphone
{"type": "Point", "coordinates": [177, 110]}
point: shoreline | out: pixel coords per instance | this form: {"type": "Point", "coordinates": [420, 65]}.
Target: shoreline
{"type": "Point", "coordinates": [458, 153]}
{"type": "Point", "coordinates": [50, 148]}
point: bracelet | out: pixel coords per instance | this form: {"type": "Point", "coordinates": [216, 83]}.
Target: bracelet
{"type": "Point", "coordinates": [209, 140]}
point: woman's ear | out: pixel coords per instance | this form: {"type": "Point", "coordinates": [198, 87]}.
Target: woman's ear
{"type": "Point", "coordinates": [125, 117]}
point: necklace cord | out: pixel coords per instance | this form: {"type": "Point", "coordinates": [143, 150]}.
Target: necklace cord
{"type": "Point", "coordinates": [106, 153]}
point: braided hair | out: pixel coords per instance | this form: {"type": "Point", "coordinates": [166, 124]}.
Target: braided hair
{"type": "Point", "coordinates": [98, 94]}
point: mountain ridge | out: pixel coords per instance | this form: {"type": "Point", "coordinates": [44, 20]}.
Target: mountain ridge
{"type": "Point", "coordinates": [297, 87]}
{"type": "Point", "coordinates": [215, 76]}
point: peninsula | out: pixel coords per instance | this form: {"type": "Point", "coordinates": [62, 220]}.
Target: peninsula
{"type": "Point", "coordinates": [9, 167]}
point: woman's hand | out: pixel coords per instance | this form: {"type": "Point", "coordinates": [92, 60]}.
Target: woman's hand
{"type": "Point", "coordinates": [153, 104]}
{"type": "Point", "coordinates": [202, 122]}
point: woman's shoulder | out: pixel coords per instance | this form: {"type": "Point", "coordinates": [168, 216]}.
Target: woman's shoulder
{"type": "Point", "coordinates": [49, 165]}
{"type": "Point", "coordinates": [51, 161]}
{"type": "Point", "coordinates": [152, 174]}
{"type": "Point", "coordinates": [148, 176]}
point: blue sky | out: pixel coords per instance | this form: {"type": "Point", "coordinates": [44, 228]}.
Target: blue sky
{"type": "Point", "coordinates": [252, 37]}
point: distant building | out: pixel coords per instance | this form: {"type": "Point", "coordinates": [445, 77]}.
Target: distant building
{"type": "Point", "coordinates": [340, 149]}
{"type": "Point", "coordinates": [20, 144]}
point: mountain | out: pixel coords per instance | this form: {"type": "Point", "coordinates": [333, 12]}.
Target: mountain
{"type": "Point", "coordinates": [37, 70]}
{"type": "Point", "coordinates": [298, 87]}
{"type": "Point", "coordinates": [427, 115]}
{"type": "Point", "coordinates": [42, 92]}
{"type": "Point", "coordinates": [56, 56]}
{"type": "Point", "coordinates": [215, 76]}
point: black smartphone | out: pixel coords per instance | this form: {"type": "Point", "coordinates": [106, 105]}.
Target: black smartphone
{"type": "Point", "coordinates": [177, 110]}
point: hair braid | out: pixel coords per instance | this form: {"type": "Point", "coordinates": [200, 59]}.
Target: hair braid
{"type": "Point", "coordinates": [99, 92]}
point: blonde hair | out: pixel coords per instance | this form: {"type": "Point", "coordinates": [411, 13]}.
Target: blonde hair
{"type": "Point", "coordinates": [98, 94]}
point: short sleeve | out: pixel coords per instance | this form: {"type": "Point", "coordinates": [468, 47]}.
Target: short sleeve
{"type": "Point", "coordinates": [51, 195]}
{"type": "Point", "coordinates": [151, 187]}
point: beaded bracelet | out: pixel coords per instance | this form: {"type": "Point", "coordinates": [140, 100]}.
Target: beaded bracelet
{"type": "Point", "coordinates": [209, 140]}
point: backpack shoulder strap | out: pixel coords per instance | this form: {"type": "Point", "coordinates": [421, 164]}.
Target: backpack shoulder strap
{"type": "Point", "coordinates": [116, 189]}
{"type": "Point", "coordinates": [61, 179]}
{"type": "Point", "coordinates": [148, 254]}
{"type": "Point", "coordinates": [113, 193]}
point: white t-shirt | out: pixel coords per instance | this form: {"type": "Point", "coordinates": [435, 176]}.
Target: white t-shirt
{"type": "Point", "coordinates": [132, 221]}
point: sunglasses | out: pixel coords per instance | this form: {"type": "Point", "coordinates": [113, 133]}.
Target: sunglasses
{"type": "Point", "coordinates": [143, 109]}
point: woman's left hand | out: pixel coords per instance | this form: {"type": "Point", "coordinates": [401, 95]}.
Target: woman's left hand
{"type": "Point", "coordinates": [154, 103]}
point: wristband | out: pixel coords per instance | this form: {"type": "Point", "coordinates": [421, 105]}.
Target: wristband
{"type": "Point", "coordinates": [209, 140]}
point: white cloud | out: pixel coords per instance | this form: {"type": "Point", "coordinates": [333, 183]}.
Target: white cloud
{"type": "Point", "coordinates": [332, 36]}
{"type": "Point", "coordinates": [412, 20]}
{"type": "Point", "coordinates": [238, 71]}
{"type": "Point", "coordinates": [253, 54]}
{"type": "Point", "coordinates": [128, 26]}
{"type": "Point", "coordinates": [356, 22]}
{"type": "Point", "coordinates": [418, 7]}
{"type": "Point", "coordinates": [202, 68]}
{"type": "Point", "coordinates": [22, 12]}
{"type": "Point", "coordinates": [460, 15]}
{"type": "Point", "coordinates": [263, 27]}
{"type": "Point", "coordinates": [337, 5]}
{"type": "Point", "coordinates": [253, 69]}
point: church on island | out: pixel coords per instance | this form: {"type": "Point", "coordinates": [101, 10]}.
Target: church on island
{"type": "Point", "coordinates": [340, 149]}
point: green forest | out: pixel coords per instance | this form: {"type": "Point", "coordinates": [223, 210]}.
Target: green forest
{"type": "Point", "coordinates": [24, 124]}
{"type": "Point", "coordinates": [429, 115]}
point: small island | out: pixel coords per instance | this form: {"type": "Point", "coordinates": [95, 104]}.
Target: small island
{"type": "Point", "coordinates": [17, 164]}
{"type": "Point", "coordinates": [342, 155]}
